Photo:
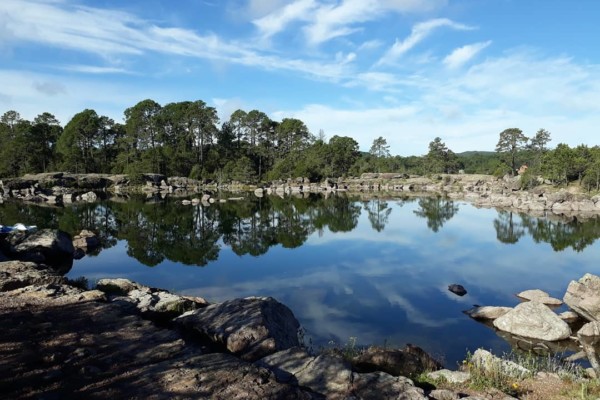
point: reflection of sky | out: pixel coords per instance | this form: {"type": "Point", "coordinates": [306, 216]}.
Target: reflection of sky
{"type": "Point", "coordinates": [380, 287]}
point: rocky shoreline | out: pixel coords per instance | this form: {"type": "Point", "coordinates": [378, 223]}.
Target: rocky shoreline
{"type": "Point", "coordinates": [480, 190]}
{"type": "Point", "coordinates": [125, 340]}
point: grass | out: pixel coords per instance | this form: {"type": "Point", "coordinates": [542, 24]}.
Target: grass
{"type": "Point", "coordinates": [79, 282]}
{"type": "Point", "coordinates": [494, 373]}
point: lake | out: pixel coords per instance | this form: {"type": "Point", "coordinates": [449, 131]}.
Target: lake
{"type": "Point", "coordinates": [376, 270]}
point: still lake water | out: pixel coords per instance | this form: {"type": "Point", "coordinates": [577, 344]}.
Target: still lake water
{"type": "Point", "coordinates": [375, 270]}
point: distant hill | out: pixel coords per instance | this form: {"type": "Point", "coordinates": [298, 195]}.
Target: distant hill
{"type": "Point", "coordinates": [475, 153]}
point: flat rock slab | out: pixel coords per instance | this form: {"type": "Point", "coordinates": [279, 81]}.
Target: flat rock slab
{"type": "Point", "coordinates": [539, 296]}
{"type": "Point", "coordinates": [19, 274]}
{"type": "Point", "coordinates": [58, 345]}
{"type": "Point", "coordinates": [250, 328]}
{"type": "Point", "coordinates": [533, 320]}
{"type": "Point", "coordinates": [583, 297]}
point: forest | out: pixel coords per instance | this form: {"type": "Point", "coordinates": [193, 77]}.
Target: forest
{"type": "Point", "coordinates": [187, 139]}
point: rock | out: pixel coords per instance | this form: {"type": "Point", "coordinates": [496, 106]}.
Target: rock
{"type": "Point", "coordinates": [260, 192]}
{"type": "Point", "coordinates": [458, 290]}
{"type": "Point", "coordinates": [117, 286]}
{"type": "Point", "coordinates": [332, 377]}
{"type": "Point", "coordinates": [590, 332]}
{"type": "Point", "coordinates": [487, 312]}
{"type": "Point", "coordinates": [251, 328]}
{"type": "Point", "coordinates": [89, 197]}
{"type": "Point", "coordinates": [86, 240]}
{"type": "Point", "coordinates": [569, 317]}
{"type": "Point", "coordinates": [533, 320]}
{"type": "Point", "coordinates": [539, 296]}
{"type": "Point", "coordinates": [583, 297]}
{"type": "Point", "coordinates": [410, 361]}
{"type": "Point", "coordinates": [488, 362]}
{"type": "Point", "coordinates": [442, 394]}
{"type": "Point", "coordinates": [52, 247]}
{"type": "Point", "coordinates": [450, 376]}
{"type": "Point", "coordinates": [19, 274]}
{"type": "Point", "coordinates": [379, 385]}
{"type": "Point", "coordinates": [155, 304]}
{"type": "Point", "coordinates": [186, 202]}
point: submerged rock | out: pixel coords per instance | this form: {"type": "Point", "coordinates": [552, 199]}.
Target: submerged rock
{"type": "Point", "coordinates": [458, 290]}
{"type": "Point", "coordinates": [533, 320]}
{"type": "Point", "coordinates": [487, 312]}
{"type": "Point", "coordinates": [250, 328]}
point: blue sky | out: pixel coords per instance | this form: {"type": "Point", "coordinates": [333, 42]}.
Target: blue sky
{"type": "Point", "coordinates": [407, 70]}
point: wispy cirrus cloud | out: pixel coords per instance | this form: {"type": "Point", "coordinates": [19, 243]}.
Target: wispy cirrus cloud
{"type": "Point", "coordinates": [280, 19]}
{"type": "Point", "coordinates": [418, 33]}
{"type": "Point", "coordinates": [464, 54]}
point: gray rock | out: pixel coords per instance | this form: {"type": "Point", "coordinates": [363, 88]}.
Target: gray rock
{"type": "Point", "coordinates": [86, 240]}
{"type": "Point", "coordinates": [533, 320]}
{"type": "Point", "coordinates": [450, 376]}
{"type": "Point", "coordinates": [251, 328]}
{"type": "Point", "coordinates": [487, 312]}
{"type": "Point", "coordinates": [442, 394]}
{"type": "Point", "coordinates": [410, 361]}
{"type": "Point", "coordinates": [19, 274]}
{"type": "Point", "coordinates": [583, 297]}
{"type": "Point", "coordinates": [569, 317]}
{"type": "Point", "coordinates": [539, 296]}
{"type": "Point", "coordinates": [489, 362]}
{"type": "Point", "coordinates": [156, 304]}
{"type": "Point", "coordinates": [379, 385]}
{"type": "Point", "coordinates": [47, 246]}
{"type": "Point", "coordinates": [118, 286]}
{"type": "Point", "coordinates": [458, 290]}
{"type": "Point", "coordinates": [89, 197]}
{"type": "Point", "coordinates": [590, 333]}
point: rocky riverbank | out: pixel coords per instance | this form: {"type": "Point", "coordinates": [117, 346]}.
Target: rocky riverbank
{"type": "Point", "coordinates": [480, 190]}
{"type": "Point", "coordinates": [125, 340]}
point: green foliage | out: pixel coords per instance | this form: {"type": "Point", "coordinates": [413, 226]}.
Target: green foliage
{"type": "Point", "coordinates": [509, 143]}
{"type": "Point", "coordinates": [79, 282]}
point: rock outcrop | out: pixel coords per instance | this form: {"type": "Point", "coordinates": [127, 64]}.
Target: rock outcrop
{"type": "Point", "coordinates": [540, 296]}
{"type": "Point", "coordinates": [250, 328]}
{"type": "Point", "coordinates": [583, 297]}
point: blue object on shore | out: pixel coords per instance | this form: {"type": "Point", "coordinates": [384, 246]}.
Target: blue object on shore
{"type": "Point", "coordinates": [17, 227]}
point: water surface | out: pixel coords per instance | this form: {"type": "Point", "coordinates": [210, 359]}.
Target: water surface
{"type": "Point", "coordinates": [376, 270]}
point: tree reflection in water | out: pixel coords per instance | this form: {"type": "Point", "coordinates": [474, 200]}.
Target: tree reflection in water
{"type": "Point", "coordinates": [193, 235]}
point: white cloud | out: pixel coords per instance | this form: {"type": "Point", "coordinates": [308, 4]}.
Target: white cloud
{"type": "Point", "coordinates": [278, 20]}
{"type": "Point", "coordinates": [92, 69]}
{"type": "Point", "coordinates": [419, 32]}
{"type": "Point", "coordinates": [463, 54]}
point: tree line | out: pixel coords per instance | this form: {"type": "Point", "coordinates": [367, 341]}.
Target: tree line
{"type": "Point", "coordinates": [187, 139]}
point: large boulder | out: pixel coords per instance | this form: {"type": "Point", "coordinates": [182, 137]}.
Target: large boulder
{"type": "Point", "coordinates": [48, 246]}
{"type": "Point", "coordinates": [251, 328]}
{"type": "Point", "coordinates": [533, 320]}
{"type": "Point", "coordinates": [410, 361]}
{"type": "Point", "coordinates": [583, 297]}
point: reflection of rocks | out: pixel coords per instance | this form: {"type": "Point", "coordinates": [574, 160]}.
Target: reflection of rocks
{"type": "Point", "coordinates": [534, 320]}
{"type": "Point", "coordinates": [536, 346]}
{"type": "Point", "coordinates": [250, 328]}
{"type": "Point", "coordinates": [583, 297]}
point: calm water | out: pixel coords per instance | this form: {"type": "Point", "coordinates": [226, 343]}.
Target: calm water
{"type": "Point", "coordinates": [374, 270]}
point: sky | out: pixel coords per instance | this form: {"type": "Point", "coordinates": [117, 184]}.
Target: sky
{"type": "Point", "coordinates": [406, 70]}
